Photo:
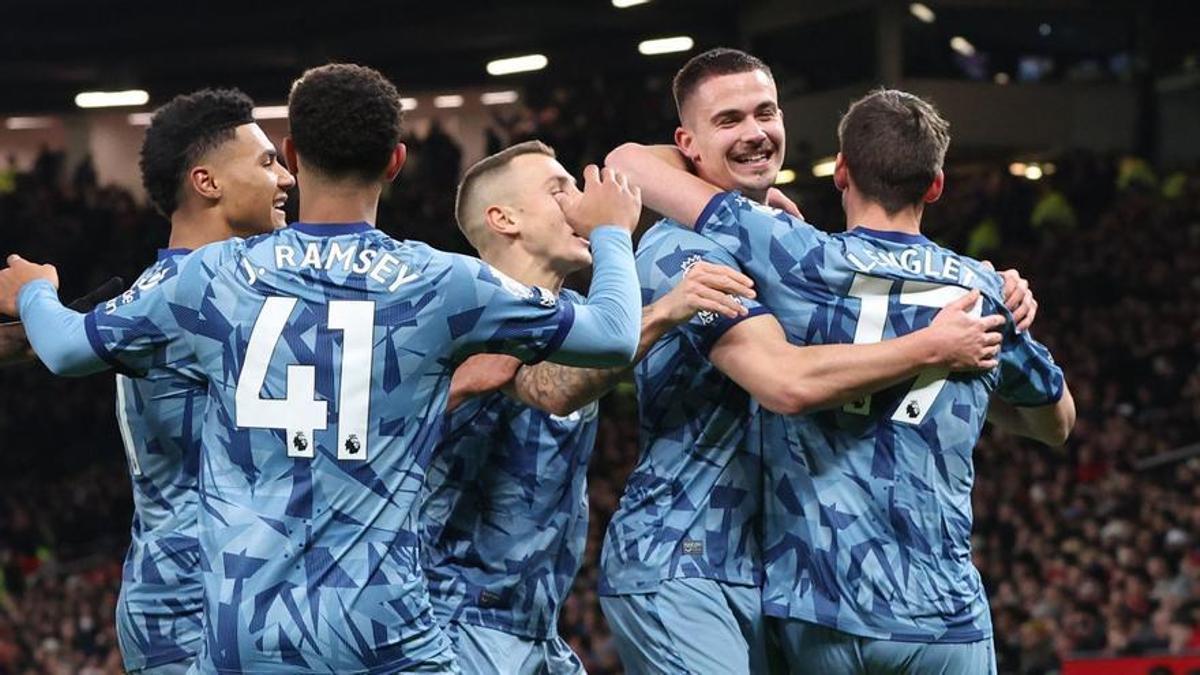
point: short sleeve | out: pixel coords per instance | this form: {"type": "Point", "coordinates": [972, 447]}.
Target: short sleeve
{"type": "Point", "coordinates": [1028, 375]}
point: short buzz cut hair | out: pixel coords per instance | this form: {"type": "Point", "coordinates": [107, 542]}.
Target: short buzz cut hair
{"type": "Point", "coordinates": [345, 120]}
{"type": "Point", "coordinates": [181, 133]}
{"type": "Point", "coordinates": [467, 203]}
{"type": "Point", "coordinates": [712, 63]}
{"type": "Point", "coordinates": [894, 144]}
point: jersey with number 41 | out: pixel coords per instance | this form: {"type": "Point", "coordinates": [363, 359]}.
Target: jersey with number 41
{"type": "Point", "coordinates": [868, 507]}
{"type": "Point", "coordinates": [328, 350]}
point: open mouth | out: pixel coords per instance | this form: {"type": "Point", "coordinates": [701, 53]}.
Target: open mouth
{"type": "Point", "coordinates": [759, 158]}
{"type": "Point", "coordinates": [279, 203]}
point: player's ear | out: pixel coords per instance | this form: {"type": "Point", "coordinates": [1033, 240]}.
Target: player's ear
{"type": "Point", "coordinates": [935, 188]}
{"type": "Point", "coordinates": [202, 181]}
{"type": "Point", "coordinates": [501, 220]}
{"type": "Point", "coordinates": [289, 156]}
{"type": "Point", "coordinates": [396, 161]}
{"type": "Point", "coordinates": [686, 142]}
{"type": "Point", "coordinates": [841, 175]}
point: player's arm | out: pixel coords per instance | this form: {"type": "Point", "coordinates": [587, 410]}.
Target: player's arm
{"type": "Point", "coordinates": [706, 287]}
{"type": "Point", "coordinates": [1051, 424]}
{"type": "Point", "coordinates": [604, 330]}
{"type": "Point", "coordinates": [1032, 398]}
{"type": "Point", "coordinates": [600, 333]}
{"type": "Point", "coordinates": [663, 174]}
{"type": "Point", "coordinates": [55, 332]}
{"type": "Point", "coordinates": [14, 345]}
{"type": "Point", "coordinates": [790, 380]}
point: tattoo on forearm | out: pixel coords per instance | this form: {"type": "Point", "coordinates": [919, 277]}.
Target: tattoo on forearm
{"type": "Point", "coordinates": [560, 387]}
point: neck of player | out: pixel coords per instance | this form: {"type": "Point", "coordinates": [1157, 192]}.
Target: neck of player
{"type": "Point", "coordinates": [525, 268]}
{"type": "Point", "coordinates": [870, 214]}
{"type": "Point", "coordinates": [194, 225]}
{"type": "Point", "coordinates": [324, 201]}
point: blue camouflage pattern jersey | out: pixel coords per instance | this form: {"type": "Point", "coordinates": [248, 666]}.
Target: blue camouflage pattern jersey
{"type": "Point", "coordinates": [505, 525]}
{"type": "Point", "coordinates": [692, 504]}
{"type": "Point", "coordinates": [867, 517]}
{"type": "Point", "coordinates": [328, 349]}
{"type": "Point", "coordinates": [161, 399]}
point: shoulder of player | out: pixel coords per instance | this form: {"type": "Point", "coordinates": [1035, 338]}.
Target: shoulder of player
{"type": "Point", "coordinates": [665, 236]}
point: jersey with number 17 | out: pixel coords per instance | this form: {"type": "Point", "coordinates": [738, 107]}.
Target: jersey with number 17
{"type": "Point", "coordinates": [867, 520]}
{"type": "Point", "coordinates": [328, 351]}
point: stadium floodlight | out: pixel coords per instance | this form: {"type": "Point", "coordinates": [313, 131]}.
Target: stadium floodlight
{"type": "Point", "coordinates": [111, 99]}
{"type": "Point", "coordinates": [670, 45]}
{"type": "Point", "coordinates": [498, 97]}
{"type": "Point", "coordinates": [922, 12]}
{"type": "Point", "coordinates": [961, 45]}
{"type": "Point", "coordinates": [408, 104]}
{"type": "Point", "coordinates": [517, 64]}
{"type": "Point", "coordinates": [270, 112]}
{"type": "Point", "coordinates": [1033, 172]}
{"type": "Point", "coordinates": [622, 4]}
{"type": "Point", "coordinates": [823, 168]}
{"type": "Point", "coordinates": [22, 123]}
{"type": "Point", "coordinates": [448, 101]}
{"type": "Point", "coordinates": [785, 176]}
{"type": "Point", "coordinates": [1017, 168]}
{"type": "Point", "coordinates": [141, 119]}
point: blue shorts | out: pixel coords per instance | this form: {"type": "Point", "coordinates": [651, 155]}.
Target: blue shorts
{"type": "Point", "coordinates": [492, 652]}
{"type": "Point", "coordinates": [813, 648]}
{"type": "Point", "coordinates": [695, 626]}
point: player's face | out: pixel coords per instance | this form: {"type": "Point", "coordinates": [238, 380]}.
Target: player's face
{"type": "Point", "coordinates": [545, 233]}
{"type": "Point", "coordinates": [253, 182]}
{"type": "Point", "coordinates": [733, 131]}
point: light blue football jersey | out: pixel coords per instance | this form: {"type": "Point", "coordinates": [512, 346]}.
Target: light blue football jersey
{"type": "Point", "coordinates": [506, 521]}
{"type": "Point", "coordinates": [328, 350]}
{"type": "Point", "coordinates": [868, 507]}
{"type": "Point", "coordinates": [160, 407]}
{"type": "Point", "coordinates": [691, 506]}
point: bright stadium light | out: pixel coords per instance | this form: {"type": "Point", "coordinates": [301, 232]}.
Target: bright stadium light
{"type": "Point", "coordinates": [408, 104]}
{"type": "Point", "coordinates": [922, 12]}
{"type": "Point", "coordinates": [679, 43]}
{"type": "Point", "coordinates": [785, 176]}
{"type": "Point", "coordinates": [823, 168]}
{"type": "Point", "coordinates": [622, 4]}
{"type": "Point", "coordinates": [498, 97]}
{"type": "Point", "coordinates": [1017, 168]}
{"type": "Point", "coordinates": [270, 112]}
{"type": "Point", "coordinates": [448, 101]}
{"type": "Point", "coordinates": [111, 99]}
{"type": "Point", "coordinates": [517, 64]}
{"type": "Point", "coordinates": [1033, 172]}
{"type": "Point", "coordinates": [141, 119]}
{"type": "Point", "coordinates": [23, 123]}
{"type": "Point", "coordinates": [961, 45]}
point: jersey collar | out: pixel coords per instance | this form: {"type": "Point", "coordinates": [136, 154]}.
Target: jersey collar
{"type": "Point", "coordinates": [164, 253]}
{"type": "Point", "coordinates": [888, 235]}
{"type": "Point", "coordinates": [332, 229]}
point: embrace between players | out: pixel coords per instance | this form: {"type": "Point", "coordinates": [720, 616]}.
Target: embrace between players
{"type": "Point", "coordinates": [326, 480]}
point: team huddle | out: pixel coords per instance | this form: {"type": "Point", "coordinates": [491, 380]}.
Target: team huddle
{"type": "Point", "coordinates": [354, 454]}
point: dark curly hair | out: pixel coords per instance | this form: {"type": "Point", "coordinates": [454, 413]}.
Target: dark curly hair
{"type": "Point", "coordinates": [345, 120]}
{"type": "Point", "coordinates": [182, 132]}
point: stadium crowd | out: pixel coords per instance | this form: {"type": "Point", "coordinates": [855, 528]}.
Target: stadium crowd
{"type": "Point", "coordinates": [1081, 550]}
